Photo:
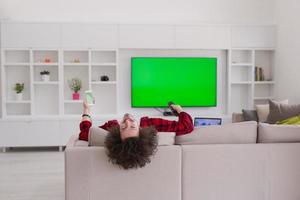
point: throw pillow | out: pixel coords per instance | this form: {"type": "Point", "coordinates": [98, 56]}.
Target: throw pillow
{"type": "Point", "coordinates": [279, 112]}
{"type": "Point", "coordinates": [290, 121]}
{"type": "Point", "coordinates": [237, 117]}
{"type": "Point", "coordinates": [250, 115]}
{"type": "Point", "coordinates": [264, 110]}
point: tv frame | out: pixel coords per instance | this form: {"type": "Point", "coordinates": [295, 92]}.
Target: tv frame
{"type": "Point", "coordinates": [216, 96]}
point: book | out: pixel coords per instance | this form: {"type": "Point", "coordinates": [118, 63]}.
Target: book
{"type": "Point", "coordinates": [259, 74]}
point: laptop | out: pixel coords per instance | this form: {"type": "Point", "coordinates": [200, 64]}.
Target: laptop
{"type": "Point", "coordinates": [203, 121]}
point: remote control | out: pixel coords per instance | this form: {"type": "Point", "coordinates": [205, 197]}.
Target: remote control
{"type": "Point", "coordinates": [89, 97]}
{"type": "Point", "coordinates": [172, 109]}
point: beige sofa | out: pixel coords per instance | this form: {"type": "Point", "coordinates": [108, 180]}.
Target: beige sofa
{"type": "Point", "coordinates": [260, 171]}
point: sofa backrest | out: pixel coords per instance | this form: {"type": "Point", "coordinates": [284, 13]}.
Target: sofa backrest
{"type": "Point", "coordinates": [89, 176]}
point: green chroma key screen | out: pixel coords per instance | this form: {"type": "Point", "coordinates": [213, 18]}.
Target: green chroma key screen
{"type": "Point", "coordinates": [189, 82]}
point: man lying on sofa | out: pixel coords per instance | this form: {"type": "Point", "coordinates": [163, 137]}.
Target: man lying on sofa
{"type": "Point", "coordinates": [130, 145]}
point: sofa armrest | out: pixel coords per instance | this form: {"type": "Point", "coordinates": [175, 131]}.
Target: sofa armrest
{"type": "Point", "coordinates": [237, 117]}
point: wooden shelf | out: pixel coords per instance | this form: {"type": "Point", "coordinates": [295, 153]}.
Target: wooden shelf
{"type": "Point", "coordinates": [264, 82]}
{"type": "Point", "coordinates": [103, 82]}
{"type": "Point", "coordinates": [46, 64]}
{"type": "Point", "coordinates": [241, 83]}
{"type": "Point", "coordinates": [73, 101]}
{"type": "Point", "coordinates": [18, 102]}
{"type": "Point", "coordinates": [242, 64]}
{"type": "Point", "coordinates": [103, 64]}
{"type": "Point", "coordinates": [17, 64]}
{"type": "Point", "coordinates": [76, 64]}
{"type": "Point", "coordinates": [263, 98]}
{"type": "Point", "coordinates": [46, 83]}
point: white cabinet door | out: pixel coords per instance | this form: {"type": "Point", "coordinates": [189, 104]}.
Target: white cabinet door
{"type": "Point", "coordinates": [67, 129]}
{"type": "Point", "coordinates": [253, 36]}
{"type": "Point", "coordinates": [202, 37]}
{"type": "Point", "coordinates": [83, 35]}
{"type": "Point", "coordinates": [147, 36]}
{"type": "Point", "coordinates": [12, 133]}
{"type": "Point", "coordinates": [42, 133]}
{"type": "Point", "coordinates": [30, 35]}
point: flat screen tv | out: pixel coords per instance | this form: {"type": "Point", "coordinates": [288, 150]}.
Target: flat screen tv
{"type": "Point", "coordinates": [190, 82]}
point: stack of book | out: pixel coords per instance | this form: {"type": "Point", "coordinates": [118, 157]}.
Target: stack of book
{"type": "Point", "coordinates": [259, 74]}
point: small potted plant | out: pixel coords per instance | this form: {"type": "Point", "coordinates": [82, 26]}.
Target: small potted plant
{"type": "Point", "coordinates": [75, 86]}
{"type": "Point", "coordinates": [45, 75]}
{"type": "Point", "coordinates": [19, 87]}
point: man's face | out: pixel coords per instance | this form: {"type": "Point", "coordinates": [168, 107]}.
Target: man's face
{"type": "Point", "coordinates": [129, 127]}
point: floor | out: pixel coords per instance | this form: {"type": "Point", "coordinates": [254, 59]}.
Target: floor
{"type": "Point", "coordinates": [32, 175]}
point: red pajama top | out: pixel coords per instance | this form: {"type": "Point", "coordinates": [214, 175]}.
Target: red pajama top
{"type": "Point", "coordinates": [184, 125]}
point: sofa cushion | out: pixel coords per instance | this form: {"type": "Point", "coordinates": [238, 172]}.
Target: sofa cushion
{"type": "Point", "coordinates": [97, 137]}
{"type": "Point", "coordinates": [235, 133]}
{"type": "Point", "coordinates": [273, 133]}
{"type": "Point", "coordinates": [279, 112]}
{"type": "Point", "coordinates": [264, 110]}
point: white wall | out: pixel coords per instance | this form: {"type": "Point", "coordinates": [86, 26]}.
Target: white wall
{"type": "Point", "coordinates": [141, 11]}
{"type": "Point", "coordinates": [287, 73]}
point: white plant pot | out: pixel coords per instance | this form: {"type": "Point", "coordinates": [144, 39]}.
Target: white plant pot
{"type": "Point", "coordinates": [45, 78]}
{"type": "Point", "coordinates": [19, 96]}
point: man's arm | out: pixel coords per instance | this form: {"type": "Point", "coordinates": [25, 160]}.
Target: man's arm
{"type": "Point", "coordinates": [86, 123]}
{"type": "Point", "coordinates": [183, 126]}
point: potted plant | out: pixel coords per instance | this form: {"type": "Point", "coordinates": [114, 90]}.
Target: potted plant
{"type": "Point", "coordinates": [75, 86]}
{"type": "Point", "coordinates": [19, 87]}
{"type": "Point", "coordinates": [45, 75]}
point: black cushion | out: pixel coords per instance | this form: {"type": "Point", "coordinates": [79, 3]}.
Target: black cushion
{"type": "Point", "coordinates": [250, 115]}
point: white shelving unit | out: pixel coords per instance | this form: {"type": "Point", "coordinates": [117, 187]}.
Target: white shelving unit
{"type": "Point", "coordinates": [54, 97]}
{"type": "Point", "coordinates": [104, 63]}
{"type": "Point", "coordinates": [15, 69]}
{"type": "Point", "coordinates": [244, 92]}
{"type": "Point", "coordinates": [89, 65]}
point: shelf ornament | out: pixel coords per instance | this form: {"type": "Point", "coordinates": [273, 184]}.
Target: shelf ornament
{"type": "Point", "coordinates": [45, 75]}
{"type": "Point", "coordinates": [75, 86]}
{"type": "Point", "coordinates": [18, 88]}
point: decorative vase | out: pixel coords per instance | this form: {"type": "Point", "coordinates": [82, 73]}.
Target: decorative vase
{"type": "Point", "coordinates": [45, 77]}
{"type": "Point", "coordinates": [19, 96]}
{"type": "Point", "coordinates": [76, 96]}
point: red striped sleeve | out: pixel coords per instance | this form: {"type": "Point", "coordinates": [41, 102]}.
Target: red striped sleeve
{"type": "Point", "coordinates": [110, 124]}
{"type": "Point", "coordinates": [183, 126]}
{"type": "Point", "coordinates": [84, 130]}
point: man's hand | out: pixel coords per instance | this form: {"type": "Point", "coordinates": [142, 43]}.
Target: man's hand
{"type": "Point", "coordinates": [178, 108]}
{"type": "Point", "coordinates": [85, 106]}
{"type": "Point", "coordinates": [86, 110]}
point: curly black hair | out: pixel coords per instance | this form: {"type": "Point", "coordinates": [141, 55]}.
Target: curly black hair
{"type": "Point", "coordinates": [133, 152]}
